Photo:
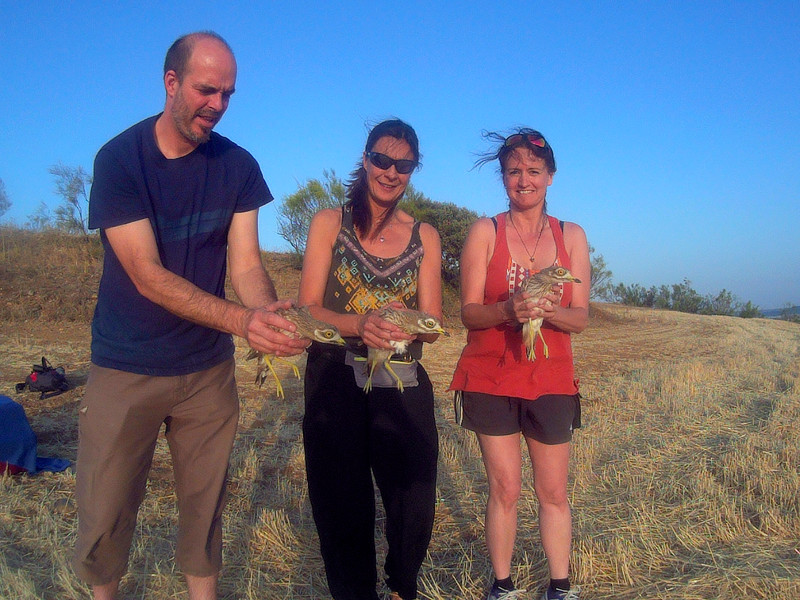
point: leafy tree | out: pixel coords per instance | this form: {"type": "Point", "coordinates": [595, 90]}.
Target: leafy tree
{"type": "Point", "coordinates": [633, 295]}
{"type": "Point", "coordinates": [71, 185]}
{"type": "Point", "coordinates": [451, 221]}
{"type": "Point", "coordinates": [297, 209]}
{"type": "Point", "coordinates": [601, 286]}
{"type": "Point", "coordinates": [724, 303]}
{"type": "Point", "coordinates": [750, 311]}
{"type": "Point", "coordinates": [661, 297]}
{"type": "Point", "coordinates": [5, 203]}
{"type": "Point", "coordinates": [685, 298]}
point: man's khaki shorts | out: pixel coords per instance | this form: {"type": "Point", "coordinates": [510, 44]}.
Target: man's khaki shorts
{"type": "Point", "coordinates": [119, 421]}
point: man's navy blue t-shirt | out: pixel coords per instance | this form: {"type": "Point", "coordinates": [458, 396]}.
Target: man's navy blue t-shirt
{"type": "Point", "coordinates": [190, 202]}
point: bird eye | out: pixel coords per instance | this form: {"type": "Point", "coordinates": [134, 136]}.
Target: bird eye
{"type": "Point", "coordinates": [561, 271]}
{"type": "Point", "coordinates": [430, 323]}
{"type": "Point", "coordinates": [328, 334]}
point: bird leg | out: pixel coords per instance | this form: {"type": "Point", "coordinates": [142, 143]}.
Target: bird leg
{"type": "Point", "coordinates": [263, 360]}
{"type": "Point", "coordinates": [393, 374]}
{"type": "Point", "coordinates": [368, 384]}
{"type": "Point", "coordinates": [374, 365]}
{"type": "Point", "coordinates": [530, 342]}
{"type": "Point", "coordinates": [544, 345]}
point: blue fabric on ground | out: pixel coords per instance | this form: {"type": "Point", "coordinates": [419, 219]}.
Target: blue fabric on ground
{"type": "Point", "coordinates": [18, 442]}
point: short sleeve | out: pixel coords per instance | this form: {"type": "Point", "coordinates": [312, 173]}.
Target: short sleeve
{"type": "Point", "coordinates": [114, 198]}
{"type": "Point", "coordinates": [254, 193]}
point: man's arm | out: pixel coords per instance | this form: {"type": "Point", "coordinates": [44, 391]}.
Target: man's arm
{"type": "Point", "coordinates": [255, 289]}
{"type": "Point", "coordinates": [250, 280]}
{"type": "Point", "coordinates": [135, 246]}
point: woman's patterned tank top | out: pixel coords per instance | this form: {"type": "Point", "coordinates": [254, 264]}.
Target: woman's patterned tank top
{"type": "Point", "coordinates": [359, 282]}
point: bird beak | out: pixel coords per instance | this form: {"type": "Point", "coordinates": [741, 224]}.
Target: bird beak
{"type": "Point", "coordinates": [575, 280]}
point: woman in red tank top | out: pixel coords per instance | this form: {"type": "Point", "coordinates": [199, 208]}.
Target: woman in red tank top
{"type": "Point", "coordinates": [505, 393]}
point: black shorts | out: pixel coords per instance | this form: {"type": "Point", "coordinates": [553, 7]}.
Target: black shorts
{"type": "Point", "coordinates": [548, 419]}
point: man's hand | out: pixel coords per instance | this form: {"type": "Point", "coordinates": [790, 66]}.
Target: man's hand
{"type": "Point", "coordinates": [264, 331]}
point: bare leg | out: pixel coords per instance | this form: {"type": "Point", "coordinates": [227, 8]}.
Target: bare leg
{"type": "Point", "coordinates": [202, 588]}
{"type": "Point", "coordinates": [503, 462]}
{"type": "Point", "coordinates": [107, 591]}
{"type": "Point", "coordinates": [550, 470]}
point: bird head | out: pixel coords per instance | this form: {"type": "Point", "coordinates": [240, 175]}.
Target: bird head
{"type": "Point", "coordinates": [412, 321]}
{"type": "Point", "coordinates": [311, 328]}
{"type": "Point", "coordinates": [328, 335]}
{"type": "Point", "coordinates": [557, 274]}
{"type": "Point", "coordinates": [429, 324]}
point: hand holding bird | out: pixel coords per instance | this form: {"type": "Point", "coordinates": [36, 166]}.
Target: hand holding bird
{"type": "Point", "coordinates": [307, 327]}
{"type": "Point", "coordinates": [538, 286]}
{"type": "Point", "coordinates": [410, 322]}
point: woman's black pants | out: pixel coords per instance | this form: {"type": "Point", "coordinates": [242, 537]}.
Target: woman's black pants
{"type": "Point", "coordinates": [349, 436]}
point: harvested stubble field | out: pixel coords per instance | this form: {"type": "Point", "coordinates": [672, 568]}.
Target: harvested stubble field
{"type": "Point", "coordinates": [685, 479]}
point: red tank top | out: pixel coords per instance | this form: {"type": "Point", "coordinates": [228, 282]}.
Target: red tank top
{"type": "Point", "coordinates": [494, 360]}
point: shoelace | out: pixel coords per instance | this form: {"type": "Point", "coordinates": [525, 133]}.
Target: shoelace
{"type": "Point", "coordinates": [571, 594]}
{"type": "Point", "coordinates": [510, 594]}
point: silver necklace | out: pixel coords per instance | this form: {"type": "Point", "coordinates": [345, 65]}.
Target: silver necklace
{"type": "Point", "coordinates": [539, 237]}
{"type": "Point", "coordinates": [381, 237]}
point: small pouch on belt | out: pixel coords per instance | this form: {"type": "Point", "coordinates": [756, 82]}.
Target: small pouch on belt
{"type": "Point", "coordinates": [406, 369]}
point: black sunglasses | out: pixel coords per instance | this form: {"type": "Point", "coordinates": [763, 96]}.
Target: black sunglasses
{"type": "Point", "coordinates": [402, 165]}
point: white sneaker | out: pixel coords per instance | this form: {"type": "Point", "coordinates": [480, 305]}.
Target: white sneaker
{"type": "Point", "coordinates": [571, 594]}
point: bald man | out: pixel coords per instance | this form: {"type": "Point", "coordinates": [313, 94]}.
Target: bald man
{"type": "Point", "coordinates": [177, 207]}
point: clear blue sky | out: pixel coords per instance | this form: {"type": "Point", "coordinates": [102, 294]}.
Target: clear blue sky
{"type": "Point", "coordinates": [676, 125]}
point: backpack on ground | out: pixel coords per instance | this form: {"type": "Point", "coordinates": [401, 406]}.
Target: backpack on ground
{"type": "Point", "coordinates": [45, 379]}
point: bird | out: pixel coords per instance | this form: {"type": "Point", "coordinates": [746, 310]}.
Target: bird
{"type": "Point", "coordinates": [538, 286]}
{"type": "Point", "coordinates": [411, 322]}
{"type": "Point", "coordinates": [307, 327]}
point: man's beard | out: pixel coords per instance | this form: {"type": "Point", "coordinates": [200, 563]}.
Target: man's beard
{"type": "Point", "coordinates": [183, 118]}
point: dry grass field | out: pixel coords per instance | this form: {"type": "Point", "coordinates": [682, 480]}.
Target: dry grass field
{"type": "Point", "coordinates": [685, 478]}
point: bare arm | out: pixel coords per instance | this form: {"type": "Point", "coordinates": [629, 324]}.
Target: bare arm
{"type": "Point", "coordinates": [316, 264]}
{"type": "Point", "coordinates": [475, 258]}
{"type": "Point", "coordinates": [250, 280]}
{"type": "Point", "coordinates": [135, 246]}
{"type": "Point", "coordinates": [575, 317]}
{"type": "Point", "coordinates": [255, 289]}
{"type": "Point", "coordinates": [429, 286]}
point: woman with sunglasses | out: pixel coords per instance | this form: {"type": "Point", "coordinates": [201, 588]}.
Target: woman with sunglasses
{"type": "Point", "coordinates": [359, 258]}
{"type": "Point", "coordinates": [503, 392]}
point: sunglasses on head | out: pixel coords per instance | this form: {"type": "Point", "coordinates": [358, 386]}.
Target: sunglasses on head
{"type": "Point", "coordinates": [402, 165]}
{"type": "Point", "coordinates": [521, 138]}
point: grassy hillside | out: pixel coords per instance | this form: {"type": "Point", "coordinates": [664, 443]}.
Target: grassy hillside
{"type": "Point", "coordinates": [685, 478]}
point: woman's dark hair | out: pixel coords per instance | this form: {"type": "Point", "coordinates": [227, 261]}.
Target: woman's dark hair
{"type": "Point", "coordinates": [357, 185]}
{"type": "Point", "coordinates": [505, 148]}
{"type": "Point", "coordinates": [180, 52]}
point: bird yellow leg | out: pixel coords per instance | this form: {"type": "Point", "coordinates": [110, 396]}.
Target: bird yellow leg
{"type": "Point", "coordinates": [396, 378]}
{"type": "Point", "coordinates": [368, 384]}
{"type": "Point", "coordinates": [291, 364]}
{"type": "Point", "coordinates": [544, 345]}
{"type": "Point", "coordinates": [530, 343]}
{"type": "Point", "coordinates": [260, 376]}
